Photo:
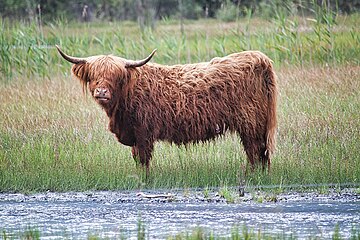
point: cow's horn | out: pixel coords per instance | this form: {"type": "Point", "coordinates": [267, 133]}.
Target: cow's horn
{"type": "Point", "coordinates": [69, 58]}
{"type": "Point", "coordinates": [139, 63]}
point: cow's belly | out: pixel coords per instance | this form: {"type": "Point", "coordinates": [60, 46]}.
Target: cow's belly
{"type": "Point", "coordinates": [126, 139]}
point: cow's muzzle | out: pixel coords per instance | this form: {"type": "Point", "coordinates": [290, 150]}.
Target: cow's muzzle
{"type": "Point", "coordinates": [102, 94]}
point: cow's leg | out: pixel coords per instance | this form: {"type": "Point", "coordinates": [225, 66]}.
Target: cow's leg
{"type": "Point", "coordinates": [252, 154]}
{"type": "Point", "coordinates": [256, 152]}
{"type": "Point", "coordinates": [145, 149]}
{"type": "Point", "coordinates": [265, 157]}
{"type": "Point", "coordinates": [255, 146]}
{"type": "Point", "coordinates": [251, 149]}
{"type": "Point", "coordinates": [135, 154]}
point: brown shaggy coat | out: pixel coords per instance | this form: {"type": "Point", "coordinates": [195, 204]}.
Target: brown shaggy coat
{"type": "Point", "coordinates": [187, 103]}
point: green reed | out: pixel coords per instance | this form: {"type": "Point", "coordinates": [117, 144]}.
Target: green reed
{"type": "Point", "coordinates": [324, 38]}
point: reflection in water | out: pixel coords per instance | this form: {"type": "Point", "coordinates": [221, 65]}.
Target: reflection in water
{"type": "Point", "coordinates": [117, 215]}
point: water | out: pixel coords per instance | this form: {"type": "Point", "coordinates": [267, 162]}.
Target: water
{"type": "Point", "coordinates": [117, 214]}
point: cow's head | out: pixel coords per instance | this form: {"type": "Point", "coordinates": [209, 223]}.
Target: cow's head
{"type": "Point", "coordinates": [104, 74]}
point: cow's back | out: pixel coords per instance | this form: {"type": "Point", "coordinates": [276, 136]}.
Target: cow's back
{"type": "Point", "coordinates": [196, 102]}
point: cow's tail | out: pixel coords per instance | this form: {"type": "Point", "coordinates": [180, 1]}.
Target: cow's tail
{"type": "Point", "coordinates": [271, 120]}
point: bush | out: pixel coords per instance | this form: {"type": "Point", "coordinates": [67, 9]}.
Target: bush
{"type": "Point", "coordinates": [228, 12]}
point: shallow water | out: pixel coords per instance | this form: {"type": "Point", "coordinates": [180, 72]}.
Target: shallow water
{"type": "Point", "coordinates": [117, 214]}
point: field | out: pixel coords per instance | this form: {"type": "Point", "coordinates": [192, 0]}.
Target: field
{"type": "Point", "coordinates": [53, 137]}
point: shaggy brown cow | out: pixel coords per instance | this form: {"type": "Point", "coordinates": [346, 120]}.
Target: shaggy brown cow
{"type": "Point", "coordinates": [146, 102]}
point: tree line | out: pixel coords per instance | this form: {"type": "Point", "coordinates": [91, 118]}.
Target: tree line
{"type": "Point", "coordinates": [146, 11]}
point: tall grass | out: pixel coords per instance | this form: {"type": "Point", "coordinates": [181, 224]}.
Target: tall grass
{"type": "Point", "coordinates": [322, 39]}
{"type": "Point", "coordinates": [53, 138]}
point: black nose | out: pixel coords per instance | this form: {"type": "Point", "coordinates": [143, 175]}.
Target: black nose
{"type": "Point", "coordinates": [100, 92]}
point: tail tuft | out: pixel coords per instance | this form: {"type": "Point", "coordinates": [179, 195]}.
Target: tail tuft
{"type": "Point", "coordinates": [271, 87]}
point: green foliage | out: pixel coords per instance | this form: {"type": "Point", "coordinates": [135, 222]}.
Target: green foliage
{"type": "Point", "coordinates": [115, 10]}
{"type": "Point", "coordinates": [337, 235]}
{"type": "Point", "coordinates": [227, 194]}
{"type": "Point", "coordinates": [228, 12]}
{"type": "Point", "coordinates": [28, 233]}
{"type": "Point", "coordinates": [141, 230]}
{"type": "Point", "coordinates": [27, 50]}
{"type": "Point", "coordinates": [190, 9]}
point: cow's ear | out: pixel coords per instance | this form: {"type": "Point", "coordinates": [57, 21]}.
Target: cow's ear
{"type": "Point", "coordinates": [80, 71]}
{"type": "Point", "coordinates": [128, 80]}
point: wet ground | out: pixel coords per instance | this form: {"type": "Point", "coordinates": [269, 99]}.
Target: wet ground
{"type": "Point", "coordinates": [117, 214]}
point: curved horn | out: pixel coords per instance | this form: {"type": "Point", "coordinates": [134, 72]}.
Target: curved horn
{"type": "Point", "coordinates": [69, 58]}
{"type": "Point", "coordinates": [139, 63]}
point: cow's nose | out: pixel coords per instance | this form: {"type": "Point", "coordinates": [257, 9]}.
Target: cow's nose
{"type": "Point", "coordinates": [100, 92]}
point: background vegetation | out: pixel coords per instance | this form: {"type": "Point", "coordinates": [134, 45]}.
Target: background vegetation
{"type": "Point", "coordinates": [148, 11]}
{"type": "Point", "coordinates": [54, 138]}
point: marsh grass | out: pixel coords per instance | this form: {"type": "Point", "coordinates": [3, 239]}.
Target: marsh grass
{"type": "Point", "coordinates": [54, 138]}
{"type": "Point", "coordinates": [195, 233]}
{"type": "Point", "coordinates": [325, 38]}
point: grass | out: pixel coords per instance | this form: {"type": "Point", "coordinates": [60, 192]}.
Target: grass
{"type": "Point", "coordinates": [54, 138]}
{"type": "Point", "coordinates": [28, 51]}
{"type": "Point", "coordinates": [197, 233]}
